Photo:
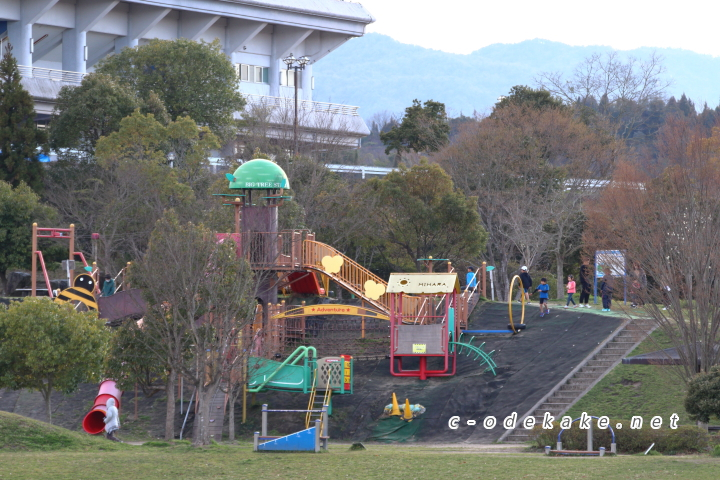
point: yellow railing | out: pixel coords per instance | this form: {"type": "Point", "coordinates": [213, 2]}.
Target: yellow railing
{"type": "Point", "coordinates": [353, 276]}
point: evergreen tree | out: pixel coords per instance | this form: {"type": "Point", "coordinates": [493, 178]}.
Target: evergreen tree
{"type": "Point", "coordinates": [20, 139]}
{"type": "Point", "coordinates": [687, 107]}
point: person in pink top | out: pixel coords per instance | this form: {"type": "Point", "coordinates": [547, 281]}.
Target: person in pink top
{"type": "Point", "coordinates": [570, 291]}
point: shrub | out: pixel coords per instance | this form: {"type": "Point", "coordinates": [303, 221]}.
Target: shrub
{"type": "Point", "coordinates": [715, 452]}
{"type": "Point", "coordinates": [685, 439]}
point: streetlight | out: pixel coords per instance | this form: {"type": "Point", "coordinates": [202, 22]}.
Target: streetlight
{"type": "Point", "coordinates": [296, 64]}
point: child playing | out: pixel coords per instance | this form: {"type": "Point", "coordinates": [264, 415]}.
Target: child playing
{"type": "Point", "coordinates": [570, 291]}
{"type": "Point", "coordinates": [606, 291]}
{"type": "Point", "coordinates": [544, 290]}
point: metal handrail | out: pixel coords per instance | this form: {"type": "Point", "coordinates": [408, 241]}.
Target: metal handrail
{"type": "Point", "coordinates": [308, 105]}
{"type": "Point", "coordinates": [51, 74]}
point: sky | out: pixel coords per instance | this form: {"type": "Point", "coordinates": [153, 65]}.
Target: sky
{"type": "Point", "coordinates": [463, 26]}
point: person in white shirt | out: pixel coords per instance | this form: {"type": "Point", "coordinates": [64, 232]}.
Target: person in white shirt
{"type": "Point", "coordinates": [112, 421]}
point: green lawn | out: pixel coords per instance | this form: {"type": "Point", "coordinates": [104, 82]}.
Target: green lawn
{"type": "Point", "coordinates": [378, 462]}
{"type": "Point", "coordinates": [645, 390]}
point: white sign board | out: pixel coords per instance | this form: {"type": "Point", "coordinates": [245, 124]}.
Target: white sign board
{"type": "Point", "coordinates": [614, 260]}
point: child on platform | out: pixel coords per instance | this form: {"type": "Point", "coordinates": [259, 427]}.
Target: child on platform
{"type": "Point", "coordinates": [544, 290]}
{"type": "Point", "coordinates": [570, 291]}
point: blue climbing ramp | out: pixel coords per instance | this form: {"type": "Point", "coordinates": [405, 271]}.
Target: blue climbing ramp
{"type": "Point", "coordinates": [302, 441]}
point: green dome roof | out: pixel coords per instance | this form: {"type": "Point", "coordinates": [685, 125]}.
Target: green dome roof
{"type": "Point", "coordinates": [259, 174]}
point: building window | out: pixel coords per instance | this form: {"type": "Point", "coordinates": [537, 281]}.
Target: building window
{"type": "Point", "coordinates": [252, 73]}
{"type": "Point", "coordinates": [287, 78]}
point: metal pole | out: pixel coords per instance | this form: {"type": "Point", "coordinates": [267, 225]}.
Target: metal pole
{"type": "Point", "coordinates": [484, 280]}
{"type": "Point", "coordinates": [263, 428]}
{"type": "Point", "coordinates": [71, 257]}
{"type": "Point", "coordinates": [295, 124]}
{"type": "Point", "coordinates": [187, 412]}
{"type": "Point", "coordinates": [33, 273]}
{"type": "Point", "coordinates": [589, 438]}
{"type": "Point", "coordinates": [492, 285]}
{"type": "Point", "coordinates": [244, 403]}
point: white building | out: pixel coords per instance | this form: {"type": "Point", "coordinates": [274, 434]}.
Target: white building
{"type": "Point", "coordinates": [56, 42]}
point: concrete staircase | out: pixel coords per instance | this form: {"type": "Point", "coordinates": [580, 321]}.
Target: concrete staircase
{"type": "Point", "coordinates": [583, 377]}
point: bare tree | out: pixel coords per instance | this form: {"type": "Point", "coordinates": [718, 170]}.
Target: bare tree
{"type": "Point", "coordinates": [565, 222]}
{"type": "Point", "coordinates": [621, 88]}
{"type": "Point", "coordinates": [516, 162]}
{"type": "Point", "coordinates": [200, 295]}
{"type": "Point", "coordinates": [668, 228]}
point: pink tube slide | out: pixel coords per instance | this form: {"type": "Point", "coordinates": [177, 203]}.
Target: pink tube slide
{"type": "Point", "coordinates": [93, 422]}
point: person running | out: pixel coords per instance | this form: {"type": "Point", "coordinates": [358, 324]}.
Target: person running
{"type": "Point", "coordinates": [570, 291]}
{"type": "Point", "coordinates": [544, 290]}
{"type": "Point", "coordinates": [585, 284]}
{"type": "Point", "coordinates": [526, 280]}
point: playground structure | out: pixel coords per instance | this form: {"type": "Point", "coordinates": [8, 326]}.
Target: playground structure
{"type": "Point", "coordinates": [312, 439]}
{"type": "Point", "coordinates": [590, 452]}
{"type": "Point", "coordinates": [301, 372]}
{"type": "Point", "coordinates": [93, 422]}
{"type": "Point", "coordinates": [429, 329]}
{"type": "Point", "coordinates": [293, 260]}
{"type": "Point", "coordinates": [37, 258]}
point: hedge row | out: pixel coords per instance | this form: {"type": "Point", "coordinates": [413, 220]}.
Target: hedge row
{"type": "Point", "coordinates": [684, 439]}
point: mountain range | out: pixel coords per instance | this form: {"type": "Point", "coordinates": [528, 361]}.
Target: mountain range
{"type": "Point", "coordinates": [380, 74]}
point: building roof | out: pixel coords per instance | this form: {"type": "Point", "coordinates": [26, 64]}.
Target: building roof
{"type": "Point", "coordinates": [259, 174]}
{"type": "Point", "coordinates": [328, 8]}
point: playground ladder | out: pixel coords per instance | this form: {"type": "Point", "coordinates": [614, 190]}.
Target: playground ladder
{"type": "Point", "coordinates": [217, 413]}
{"type": "Point", "coordinates": [314, 405]}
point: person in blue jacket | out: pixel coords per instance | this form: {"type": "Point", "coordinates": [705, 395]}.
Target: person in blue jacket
{"type": "Point", "coordinates": [470, 279]}
{"type": "Point", "coordinates": [544, 290]}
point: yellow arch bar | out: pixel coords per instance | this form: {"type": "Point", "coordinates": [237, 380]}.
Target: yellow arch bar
{"type": "Point", "coordinates": [332, 309]}
{"type": "Point", "coordinates": [510, 299]}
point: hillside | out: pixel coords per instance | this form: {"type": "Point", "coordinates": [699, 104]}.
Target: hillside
{"type": "Point", "coordinates": [380, 74]}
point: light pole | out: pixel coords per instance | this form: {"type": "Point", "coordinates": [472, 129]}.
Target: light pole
{"type": "Point", "coordinates": [296, 64]}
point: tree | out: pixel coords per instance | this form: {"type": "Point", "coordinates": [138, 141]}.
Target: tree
{"type": "Point", "coordinates": [424, 128]}
{"type": "Point", "coordinates": [131, 184]}
{"type": "Point", "coordinates": [516, 163]}
{"type": "Point", "coordinates": [20, 207]}
{"type": "Point", "coordinates": [21, 142]}
{"type": "Point", "coordinates": [86, 113]}
{"type": "Point", "coordinates": [623, 88]}
{"type": "Point", "coordinates": [668, 228]}
{"type": "Point", "coordinates": [193, 79]}
{"type": "Point", "coordinates": [523, 95]}
{"type": "Point", "coordinates": [131, 361]}
{"type": "Point", "coordinates": [45, 346]}
{"type": "Point", "coordinates": [200, 296]}
{"type": "Point", "coordinates": [420, 213]}
{"type": "Point", "coordinates": [703, 396]}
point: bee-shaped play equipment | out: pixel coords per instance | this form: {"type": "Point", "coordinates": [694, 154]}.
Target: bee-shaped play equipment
{"type": "Point", "coordinates": [82, 291]}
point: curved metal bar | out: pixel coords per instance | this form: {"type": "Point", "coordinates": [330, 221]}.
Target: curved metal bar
{"type": "Point", "coordinates": [510, 296]}
{"type": "Point", "coordinates": [612, 432]}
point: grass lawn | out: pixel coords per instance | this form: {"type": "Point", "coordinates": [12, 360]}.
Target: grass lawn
{"type": "Point", "coordinates": [645, 390]}
{"type": "Point", "coordinates": [377, 462]}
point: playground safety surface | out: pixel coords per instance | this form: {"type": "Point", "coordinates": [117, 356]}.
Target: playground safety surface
{"type": "Point", "coordinates": [529, 365]}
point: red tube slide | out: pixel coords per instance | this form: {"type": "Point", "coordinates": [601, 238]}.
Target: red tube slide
{"type": "Point", "coordinates": [93, 422]}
